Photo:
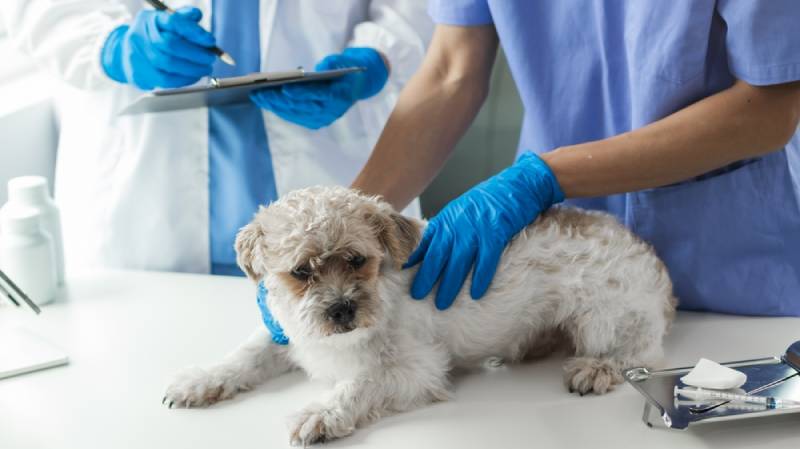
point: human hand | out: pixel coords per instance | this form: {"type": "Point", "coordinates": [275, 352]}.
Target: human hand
{"type": "Point", "coordinates": [473, 229]}
{"type": "Point", "coordinates": [159, 50]}
{"type": "Point", "coordinates": [318, 104]}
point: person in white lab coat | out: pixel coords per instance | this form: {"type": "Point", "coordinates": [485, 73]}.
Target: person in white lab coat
{"type": "Point", "coordinates": [137, 191]}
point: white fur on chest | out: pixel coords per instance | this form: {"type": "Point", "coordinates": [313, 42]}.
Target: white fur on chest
{"type": "Point", "coordinates": [339, 357]}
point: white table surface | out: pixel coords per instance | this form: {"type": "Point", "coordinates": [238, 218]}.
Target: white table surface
{"type": "Point", "coordinates": [127, 333]}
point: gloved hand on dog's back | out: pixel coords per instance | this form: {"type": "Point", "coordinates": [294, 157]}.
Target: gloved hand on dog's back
{"type": "Point", "coordinates": [473, 229]}
{"type": "Point", "coordinates": [272, 325]}
{"type": "Point", "coordinates": [318, 104]}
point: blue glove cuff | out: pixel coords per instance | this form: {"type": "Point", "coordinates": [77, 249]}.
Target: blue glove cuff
{"type": "Point", "coordinates": [535, 164]}
{"type": "Point", "coordinates": [270, 322]}
{"type": "Point", "coordinates": [111, 54]}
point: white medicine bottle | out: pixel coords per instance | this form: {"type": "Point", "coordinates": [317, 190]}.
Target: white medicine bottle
{"type": "Point", "coordinates": [27, 255]}
{"type": "Point", "coordinates": [32, 192]}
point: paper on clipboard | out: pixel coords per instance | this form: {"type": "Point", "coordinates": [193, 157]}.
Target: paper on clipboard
{"type": "Point", "coordinates": [221, 91]}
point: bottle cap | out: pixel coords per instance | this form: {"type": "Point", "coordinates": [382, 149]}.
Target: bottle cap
{"type": "Point", "coordinates": [28, 189]}
{"type": "Point", "coordinates": [21, 221]}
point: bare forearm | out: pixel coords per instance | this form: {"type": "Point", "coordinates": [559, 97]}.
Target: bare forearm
{"type": "Point", "coordinates": [433, 112]}
{"type": "Point", "coordinates": [738, 123]}
{"type": "Point", "coordinates": [423, 129]}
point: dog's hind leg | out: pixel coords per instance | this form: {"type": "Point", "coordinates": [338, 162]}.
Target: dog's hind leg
{"type": "Point", "coordinates": [254, 362]}
{"type": "Point", "coordinates": [605, 345]}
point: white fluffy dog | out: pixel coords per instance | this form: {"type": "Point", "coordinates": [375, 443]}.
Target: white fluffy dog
{"type": "Point", "coordinates": [331, 259]}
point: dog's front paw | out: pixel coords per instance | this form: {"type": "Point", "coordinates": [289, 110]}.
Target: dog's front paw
{"type": "Point", "coordinates": [587, 374]}
{"type": "Point", "coordinates": [196, 387]}
{"type": "Point", "coordinates": [317, 424]}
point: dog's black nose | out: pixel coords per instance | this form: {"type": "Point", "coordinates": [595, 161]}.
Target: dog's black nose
{"type": "Point", "coordinates": [342, 312]}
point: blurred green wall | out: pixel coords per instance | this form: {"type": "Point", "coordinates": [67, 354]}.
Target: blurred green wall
{"type": "Point", "coordinates": [488, 146]}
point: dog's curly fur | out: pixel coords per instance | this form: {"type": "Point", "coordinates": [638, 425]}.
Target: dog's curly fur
{"type": "Point", "coordinates": [571, 275]}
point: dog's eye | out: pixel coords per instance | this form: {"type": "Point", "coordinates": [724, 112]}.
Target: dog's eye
{"type": "Point", "coordinates": [302, 273]}
{"type": "Point", "coordinates": [357, 261]}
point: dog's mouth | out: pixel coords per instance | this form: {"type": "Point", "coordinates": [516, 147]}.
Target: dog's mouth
{"type": "Point", "coordinates": [344, 328]}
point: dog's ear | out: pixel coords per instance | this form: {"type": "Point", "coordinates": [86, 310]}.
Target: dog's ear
{"type": "Point", "coordinates": [398, 234]}
{"type": "Point", "coordinates": [247, 249]}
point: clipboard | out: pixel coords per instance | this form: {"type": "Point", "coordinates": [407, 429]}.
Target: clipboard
{"type": "Point", "coordinates": [222, 91]}
{"type": "Point", "coordinates": [24, 352]}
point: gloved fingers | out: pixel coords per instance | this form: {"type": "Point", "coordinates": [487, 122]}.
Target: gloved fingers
{"type": "Point", "coordinates": [272, 99]}
{"type": "Point", "coordinates": [300, 101]}
{"type": "Point", "coordinates": [321, 120]}
{"type": "Point", "coordinates": [485, 268]}
{"type": "Point", "coordinates": [316, 90]}
{"type": "Point", "coordinates": [140, 72]}
{"type": "Point", "coordinates": [259, 96]}
{"type": "Point", "coordinates": [306, 120]}
{"type": "Point", "coordinates": [422, 247]}
{"type": "Point", "coordinates": [179, 47]}
{"type": "Point", "coordinates": [147, 77]}
{"type": "Point", "coordinates": [455, 273]}
{"type": "Point", "coordinates": [332, 62]}
{"type": "Point", "coordinates": [178, 66]}
{"type": "Point", "coordinates": [269, 98]}
{"type": "Point", "coordinates": [190, 13]}
{"type": "Point", "coordinates": [348, 88]}
{"type": "Point", "coordinates": [327, 100]}
{"type": "Point", "coordinates": [275, 101]}
{"type": "Point", "coordinates": [185, 23]}
{"type": "Point", "coordinates": [433, 263]}
{"type": "Point", "coordinates": [170, 80]}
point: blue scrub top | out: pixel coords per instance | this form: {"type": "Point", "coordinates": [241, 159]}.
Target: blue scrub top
{"type": "Point", "coordinates": [240, 174]}
{"type": "Point", "coordinates": [590, 69]}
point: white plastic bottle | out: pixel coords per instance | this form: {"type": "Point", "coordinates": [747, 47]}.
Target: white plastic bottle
{"type": "Point", "coordinates": [27, 255]}
{"type": "Point", "coordinates": [32, 192]}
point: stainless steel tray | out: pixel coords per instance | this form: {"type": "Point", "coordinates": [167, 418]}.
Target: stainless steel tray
{"type": "Point", "coordinates": [657, 388]}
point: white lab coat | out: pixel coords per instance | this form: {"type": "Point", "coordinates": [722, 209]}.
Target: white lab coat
{"type": "Point", "coordinates": [133, 190]}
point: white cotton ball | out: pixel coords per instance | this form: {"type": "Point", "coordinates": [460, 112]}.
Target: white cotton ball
{"type": "Point", "coordinates": [708, 374]}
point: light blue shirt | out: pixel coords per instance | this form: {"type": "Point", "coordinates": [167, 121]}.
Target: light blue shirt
{"type": "Point", "coordinates": [240, 174]}
{"type": "Point", "coordinates": [590, 69]}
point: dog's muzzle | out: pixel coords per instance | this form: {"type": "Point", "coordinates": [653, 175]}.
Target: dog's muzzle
{"type": "Point", "coordinates": [342, 313]}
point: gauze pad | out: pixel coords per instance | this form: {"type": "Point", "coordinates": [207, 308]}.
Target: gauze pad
{"type": "Point", "coordinates": [708, 374]}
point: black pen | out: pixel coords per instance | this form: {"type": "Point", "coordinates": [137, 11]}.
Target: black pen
{"type": "Point", "coordinates": [11, 298]}
{"type": "Point", "coordinates": [4, 280]}
{"type": "Point", "coordinates": [225, 57]}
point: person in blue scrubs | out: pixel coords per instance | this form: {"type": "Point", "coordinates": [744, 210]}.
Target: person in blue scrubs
{"type": "Point", "coordinates": [678, 117]}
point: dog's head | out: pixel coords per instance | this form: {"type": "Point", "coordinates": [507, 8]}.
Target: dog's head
{"type": "Point", "coordinates": [320, 252]}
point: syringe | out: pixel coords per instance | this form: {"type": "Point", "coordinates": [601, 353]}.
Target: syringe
{"type": "Point", "coordinates": [735, 406]}
{"type": "Point", "coordinates": [699, 393]}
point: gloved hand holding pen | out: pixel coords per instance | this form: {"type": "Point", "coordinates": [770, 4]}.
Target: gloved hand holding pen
{"type": "Point", "coordinates": [159, 49]}
{"type": "Point", "coordinates": [318, 104]}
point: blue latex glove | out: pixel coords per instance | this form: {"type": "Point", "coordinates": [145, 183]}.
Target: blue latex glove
{"type": "Point", "coordinates": [272, 325]}
{"type": "Point", "coordinates": [474, 229]}
{"type": "Point", "coordinates": [318, 104]}
{"type": "Point", "coordinates": [159, 50]}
